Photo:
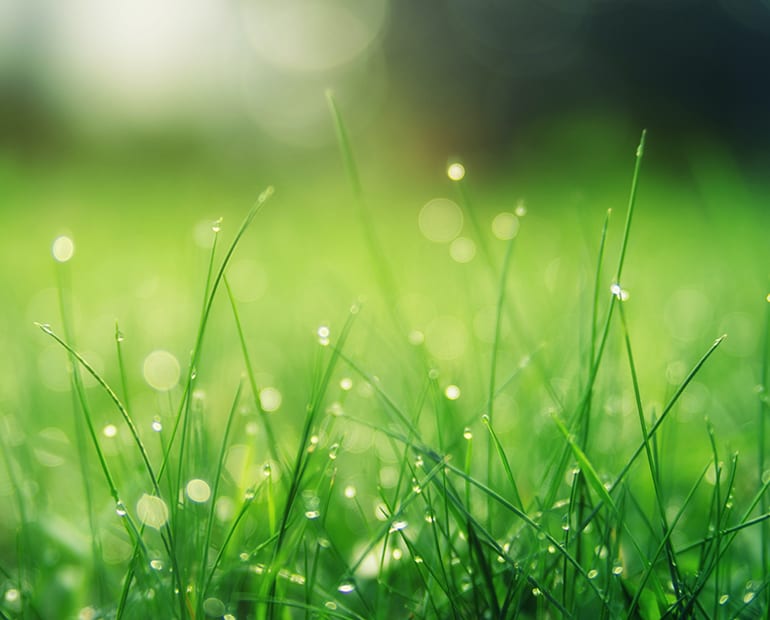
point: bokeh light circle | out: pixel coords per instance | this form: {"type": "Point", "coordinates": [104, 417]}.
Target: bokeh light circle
{"type": "Point", "coordinates": [440, 220]}
{"type": "Point", "coordinates": [161, 370]}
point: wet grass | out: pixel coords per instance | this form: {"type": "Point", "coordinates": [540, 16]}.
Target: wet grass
{"type": "Point", "coordinates": [524, 474]}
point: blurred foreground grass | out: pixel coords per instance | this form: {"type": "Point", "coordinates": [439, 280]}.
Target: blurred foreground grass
{"type": "Point", "coordinates": [696, 268]}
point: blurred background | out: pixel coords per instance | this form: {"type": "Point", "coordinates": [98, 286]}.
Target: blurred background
{"type": "Point", "coordinates": [129, 127]}
{"type": "Point", "coordinates": [434, 77]}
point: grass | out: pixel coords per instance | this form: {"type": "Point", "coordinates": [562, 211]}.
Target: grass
{"type": "Point", "coordinates": [383, 480]}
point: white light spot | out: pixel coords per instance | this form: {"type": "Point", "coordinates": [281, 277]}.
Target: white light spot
{"type": "Point", "coordinates": [323, 335]}
{"type": "Point", "coordinates": [63, 249]}
{"type": "Point", "coordinates": [346, 384]}
{"type": "Point", "coordinates": [198, 490]}
{"type": "Point", "coordinates": [440, 220]}
{"type": "Point", "coordinates": [110, 430]}
{"type": "Point", "coordinates": [619, 292]}
{"type": "Point", "coordinates": [157, 425]}
{"type": "Point", "coordinates": [462, 250]}
{"type": "Point", "coordinates": [452, 392]}
{"type": "Point", "coordinates": [161, 370]}
{"type": "Point", "coordinates": [346, 587]}
{"type": "Point", "coordinates": [505, 226]}
{"type": "Point", "coordinates": [152, 511]}
{"type": "Point", "coordinates": [521, 208]}
{"type": "Point", "coordinates": [467, 434]}
{"type": "Point", "coordinates": [350, 491]}
{"type": "Point", "coordinates": [270, 399]}
{"type": "Point", "coordinates": [455, 171]}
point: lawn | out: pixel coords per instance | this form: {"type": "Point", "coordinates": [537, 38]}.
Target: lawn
{"type": "Point", "coordinates": [376, 385]}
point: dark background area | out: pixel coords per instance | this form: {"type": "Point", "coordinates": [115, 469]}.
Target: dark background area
{"type": "Point", "coordinates": [684, 69]}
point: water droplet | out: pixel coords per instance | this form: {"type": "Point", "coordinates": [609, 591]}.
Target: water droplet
{"type": "Point", "coordinates": [619, 292]}
{"type": "Point", "coordinates": [216, 225]}
{"type": "Point", "coordinates": [323, 335]}
{"type": "Point", "coordinates": [455, 171]}
{"type": "Point", "coordinates": [214, 608]}
{"type": "Point", "coordinates": [267, 470]}
{"type": "Point", "coordinates": [416, 488]}
{"type": "Point", "coordinates": [12, 595]}
{"type": "Point", "coordinates": [45, 327]}
{"type": "Point", "coordinates": [724, 598]}
{"type": "Point", "coordinates": [119, 337]}
{"type": "Point", "coordinates": [592, 574]}
{"type": "Point", "coordinates": [110, 430]}
{"type": "Point", "coordinates": [330, 605]}
{"type": "Point", "coordinates": [565, 523]}
{"type": "Point", "coordinates": [297, 578]}
{"type": "Point", "coordinates": [157, 425]}
{"type": "Point", "coordinates": [120, 509]}
{"type": "Point", "coordinates": [430, 517]}
{"type": "Point", "coordinates": [467, 434]}
{"type": "Point", "coordinates": [62, 249]}
{"type": "Point", "coordinates": [601, 551]}
{"type": "Point", "coordinates": [243, 556]}
{"type": "Point", "coordinates": [521, 208]}
{"type": "Point", "coordinates": [551, 549]}
{"type": "Point", "coordinates": [536, 592]}
{"type": "Point", "coordinates": [156, 564]}
{"type": "Point", "coordinates": [452, 392]}
{"type": "Point", "coordinates": [312, 514]}
{"type": "Point", "coordinates": [617, 568]}
{"type": "Point", "coordinates": [249, 495]}
{"type": "Point", "coordinates": [485, 419]}
{"type": "Point", "coordinates": [346, 383]}
{"type": "Point", "coordinates": [419, 462]}
{"type": "Point", "coordinates": [333, 449]}
{"type": "Point", "coordinates": [152, 511]}
{"type": "Point", "coordinates": [748, 597]}
{"type": "Point", "coordinates": [270, 399]}
{"type": "Point", "coordinates": [397, 554]}
{"type": "Point", "coordinates": [346, 587]}
{"type": "Point", "coordinates": [768, 298]}
{"type": "Point", "coordinates": [198, 490]}
{"type": "Point", "coordinates": [397, 526]}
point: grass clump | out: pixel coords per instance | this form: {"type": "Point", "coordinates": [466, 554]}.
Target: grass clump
{"type": "Point", "coordinates": [390, 490]}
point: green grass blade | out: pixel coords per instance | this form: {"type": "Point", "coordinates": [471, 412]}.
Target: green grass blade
{"type": "Point", "coordinates": [586, 468]}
